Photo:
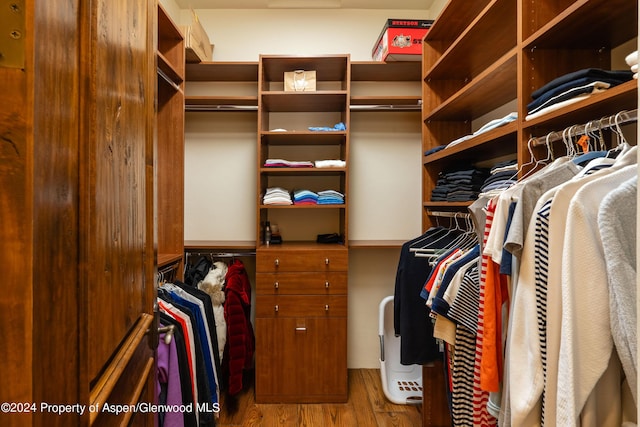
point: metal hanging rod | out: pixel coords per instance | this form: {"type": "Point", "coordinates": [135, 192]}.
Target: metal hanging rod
{"type": "Point", "coordinates": [222, 254]}
{"type": "Point", "coordinates": [168, 79]}
{"type": "Point", "coordinates": [623, 117]}
{"type": "Point", "coordinates": [416, 107]}
{"type": "Point", "coordinates": [226, 107]}
{"type": "Point", "coordinates": [461, 215]}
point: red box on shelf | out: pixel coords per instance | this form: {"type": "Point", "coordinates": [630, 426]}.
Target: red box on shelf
{"type": "Point", "coordinates": [401, 40]}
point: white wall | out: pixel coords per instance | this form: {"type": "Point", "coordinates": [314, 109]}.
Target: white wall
{"type": "Point", "coordinates": [242, 35]}
{"type": "Point", "coordinates": [385, 168]}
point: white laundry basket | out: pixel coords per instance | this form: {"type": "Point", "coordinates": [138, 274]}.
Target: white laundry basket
{"type": "Point", "coordinates": [402, 384]}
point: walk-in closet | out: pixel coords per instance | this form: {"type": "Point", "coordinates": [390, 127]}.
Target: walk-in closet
{"type": "Point", "coordinates": [319, 213]}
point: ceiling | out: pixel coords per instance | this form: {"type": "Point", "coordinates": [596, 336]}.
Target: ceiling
{"type": "Point", "coordinates": [306, 4]}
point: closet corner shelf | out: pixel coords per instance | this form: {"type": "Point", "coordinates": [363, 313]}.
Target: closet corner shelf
{"type": "Point", "coordinates": [167, 259]}
{"type": "Point", "coordinates": [220, 245]}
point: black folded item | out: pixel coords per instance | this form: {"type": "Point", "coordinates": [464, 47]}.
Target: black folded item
{"type": "Point", "coordinates": [276, 239]}
{"type": "Point", "coordinates": [329, 238]}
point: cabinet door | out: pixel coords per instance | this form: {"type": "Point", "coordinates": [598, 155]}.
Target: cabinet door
{"type": "Point", "coordinates": [301, 359]}
{"type": "Point", "coordinates": [116, 205]}
{"type": "Point", "coordinates": [76, 168]}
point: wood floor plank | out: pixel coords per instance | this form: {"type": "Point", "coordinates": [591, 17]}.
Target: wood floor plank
{"type": "Point", "coordinates": [367, 406]}
{"type": "Point", "coordinates": [339, 415]}
{"type": "Point", "coordinates": [379, 402]}
{"type": "Point", "coordinates": [399, 419]}
{"type": "Point", "coordinates": [360, 400]}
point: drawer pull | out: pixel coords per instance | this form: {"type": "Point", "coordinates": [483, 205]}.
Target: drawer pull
{"type": "Point", "coordinates": [276, 285]}
{"type": "Point", "coordinates": [326, 284]}
{"type": "Point", "coordinates": [301, 329]}
{"type": "Point", "coordinates": [277, 262]}
{"type": "Point", "coordinates": [326, 261]}
{"type": "Point", "coordinates": [276, 308]}
{"type": "Point", "coordinates": [326, 307]}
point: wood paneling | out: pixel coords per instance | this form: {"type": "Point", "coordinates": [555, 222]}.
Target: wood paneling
{"type": "Point", "coordinates": [15, 245]}
{"type": "Point", "coordinates": [76, 159]}
{"type": "Point", "coordinates": [113, 193]}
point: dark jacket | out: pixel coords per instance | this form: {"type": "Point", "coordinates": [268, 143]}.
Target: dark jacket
{"type": "Point", "coordinates": [237, 312]}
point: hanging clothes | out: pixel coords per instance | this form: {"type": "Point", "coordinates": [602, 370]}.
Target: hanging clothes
{"type": "Point", "coordinates": [191, 323]}
{"type": "Point", "coordinates": [411, 316]}
{"type": "Point", "coordinates": [240, 337]}
{"type": "Point", "coordinates": [173, 375]}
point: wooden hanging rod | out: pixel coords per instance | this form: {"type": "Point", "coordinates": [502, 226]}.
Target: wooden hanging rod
{"type": "Point", "coordinates": [623, 117]}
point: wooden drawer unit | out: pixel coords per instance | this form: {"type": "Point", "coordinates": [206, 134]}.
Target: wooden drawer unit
{"type": "Point", "coordinates": [301, 324]}
{"type": "Point", "coordinates": [301, 306]}
{"type": "Point", "coordinates": [301, 283]}
{"type": "Point", "coordinates": [302, 260]}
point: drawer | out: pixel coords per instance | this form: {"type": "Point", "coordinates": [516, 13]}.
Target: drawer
{"type": "Point", "coordinates": [301, 260]}
{"type": "Point", "coordinates": [301, 283]}
{"type": "Point", "coordinates": [301, 306]}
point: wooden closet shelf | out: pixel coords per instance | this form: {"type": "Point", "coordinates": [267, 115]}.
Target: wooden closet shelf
{"type": "Point", "coordinates": [618, 98]}
{"type": "Point", "coordinates": [479, 46]}
{"type": "Point", "coordinates": [220, 245]}
{"type": "Point", "coordinates": [165, 67]}
{"type": "Point", "coordinates": [494, 143]}
{"type": "Point", "coordinates": [610, 23]}
{"type": "Point", "coordinates": [490, 89]}
{"type": "Point", "coordinates": [342, 206]}
{"type": "Point", "coordinates": [318, 101]}
{"type": "Point", "coordinates": [302, 171]}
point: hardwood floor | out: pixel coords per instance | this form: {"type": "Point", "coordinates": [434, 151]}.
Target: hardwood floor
{"type": "Point", "coordinates": [367, 407]}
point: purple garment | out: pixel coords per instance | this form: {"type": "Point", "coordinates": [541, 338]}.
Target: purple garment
{"type": "Point", "coordinates": [169, 377]}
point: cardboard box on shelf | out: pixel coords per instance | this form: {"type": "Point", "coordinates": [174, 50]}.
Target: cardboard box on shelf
{"type": "Point", "coordinates": [197, 46]}
{"type": "Point", "coordinates": [401, 40]}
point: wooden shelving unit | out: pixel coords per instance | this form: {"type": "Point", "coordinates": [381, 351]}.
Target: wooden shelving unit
{"type": "Point", "coordinates": [480, 56]}
{"type": "Point", "coordinates": [170, 142]}
{"type": "Point", "coordinates": [301, 291]}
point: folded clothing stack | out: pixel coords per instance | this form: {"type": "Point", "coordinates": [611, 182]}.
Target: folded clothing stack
{"type": "Point", "coordinates": [336, 128]}
{"type": "Point", "coordinates": [305, 197]}
{"type": "Point", "coordinates": [501, 176]}
{"type": "Point", "coordinates": [632, 61]}
{"type": "Point", "coordinates": [330, 163]}
{"type": "Point", "coordinates": [330, 197]}
{"type": "Point", "coordinates": [282, 163]}
{"type": "Point", "coordinates": [573, 87]}
{"type": "Point", "coordinates": [459, 186]}
{"type": "Point", "coordinates": [276, 196]}
{"type": "Point", "coordinates": [493, 124]}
